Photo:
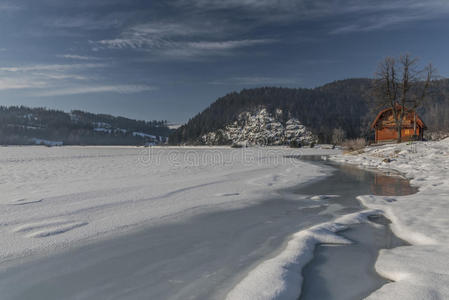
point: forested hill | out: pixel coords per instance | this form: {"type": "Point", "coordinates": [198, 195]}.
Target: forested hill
{"type": "Point", "coordinates": [21, 125]}
{"type": "Point", "coordinates": [338, 104]}
{"type": "Point", "coordinates": [341, 104]}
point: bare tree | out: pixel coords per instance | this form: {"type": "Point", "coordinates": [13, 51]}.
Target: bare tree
{"type": "Point", "coordinates": [399, 83]}
{"type": "Point", "coordinates": [338, 136]}
{"type": "Point", "coordinates": [420, 91]}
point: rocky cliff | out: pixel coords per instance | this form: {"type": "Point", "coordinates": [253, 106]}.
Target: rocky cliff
{"type": "Point", "coordinates": [261, 128]}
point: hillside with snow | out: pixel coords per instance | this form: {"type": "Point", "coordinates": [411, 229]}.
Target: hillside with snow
{"type": "Point", "coordinates": [40, 126]}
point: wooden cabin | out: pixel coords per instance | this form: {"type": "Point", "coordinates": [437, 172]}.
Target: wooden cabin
{"type": "Point", "coordinates": [385, 126]}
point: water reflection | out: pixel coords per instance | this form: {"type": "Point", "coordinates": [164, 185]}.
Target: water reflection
{"type": "Point", "coordinates": [391, 186]}
{"type": "Point", "coordinates": [347, 272]}
{"type": "Point", "coordinates": [381, 184]}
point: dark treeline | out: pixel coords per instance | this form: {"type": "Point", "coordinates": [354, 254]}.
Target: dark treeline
{"type": "Point", "coordinates": [19, 125]}
{"type": "Point", "coordinates": [344, 104]}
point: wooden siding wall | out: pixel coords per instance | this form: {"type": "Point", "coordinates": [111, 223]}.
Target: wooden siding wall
{"type": "Point", "coordinates": [391, 134]}
{"type": "Point", "coordinates": [386, 128]}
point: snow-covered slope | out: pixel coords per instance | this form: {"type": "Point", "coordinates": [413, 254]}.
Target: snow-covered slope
{"type": "Point", "coordinates": [419, 271]}
{"type": "Point", "coordinates": [261, 128]}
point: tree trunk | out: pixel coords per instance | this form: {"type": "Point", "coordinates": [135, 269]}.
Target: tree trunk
{"type": "Point", "coordinates": [414, 123]}
{"type": "Point", "coordinates": [399, 129]}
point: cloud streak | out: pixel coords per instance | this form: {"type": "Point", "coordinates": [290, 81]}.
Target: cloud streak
{"type": "Point", "coordinates": [61, 80]}
{"type": "Point", "coordinates": [256, 81]}
{"type": "Point", "coordinates": [390, 15]}
{"type": "Point", "coordinates": [221, 28]}
{"type": "Point", "coordinates": [9, 7]}
{"type": "Point", "coordinates": [78, 57]}
{"type": "Point", "coordinates": [20, 84]}
{"type": "Point", "coordinates": [355, 15]}
{"type": "Point", "coordinates": [178, 40]}
{"type": "Point", "coordinates": [43, 76]}
{"type": "Point", "coordinates": [120, 89]}
{"type": "Point", "coordinates": [51, 67]}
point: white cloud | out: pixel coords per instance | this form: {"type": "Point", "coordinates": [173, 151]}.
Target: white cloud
{"type": "Point", "coordinates": [164, 29]}
{"type": "Point", "coordinates": [320, 7]}
{"type": "Point", "coordinates": [9, 7]}
{"type": "Point", "coordinates": [257, 80]}
{"type": "Point", "coordinates": [56, 76]}
{"type": "Point", "coordinates": [224, 45]}
{"type": "Point", "coordinates": [43, 76]}
{"type": "Point", "coordinates": [389, 15]}
{"type": "Point", "coordinates": [51, 67]}
{"type": "Point", "coordinates": [229, 4]}
{"type": "Point", "coordinates": [211, 34]}
{"type": "Point", "coordinates": [84, 22]}
{"type": "Point", "coordinates": [20, 83]}
{"type": "Point", "coordinates": [157, 35]}
{"type": "Point", "coordinates": [380, 15]}
{"type": "Point", "coordinates": [121, 89]}
{"type": "Point", "coordinates": [177, 40]}
{"type": "Point", "coordinates": [60, 80]}
{"type": "Point", "coordinates": [355, 15]}
{"type": "Point", "coordinates": [78, 57]}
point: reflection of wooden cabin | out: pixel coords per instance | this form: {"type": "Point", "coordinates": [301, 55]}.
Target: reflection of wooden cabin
{"type": "Point", "coordinates": [384, 185]}
{"type": "Point", "coordinates": [385, 126]}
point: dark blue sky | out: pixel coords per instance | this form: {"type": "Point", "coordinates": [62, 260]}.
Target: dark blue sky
{"type": "Point", "coordinates": [171, 59]}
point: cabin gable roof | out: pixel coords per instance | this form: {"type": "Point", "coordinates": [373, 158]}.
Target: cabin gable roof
{"type": "Point", "coordinates": [419, 122]}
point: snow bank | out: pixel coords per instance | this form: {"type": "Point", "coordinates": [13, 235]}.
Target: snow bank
{"type": "Point", "coordinates": [55, 197]}
{"type": "Point", "coordinates": [280, 277]}
{"type": "Point", "coordinates": [323, 197]}
{"type": "Point", "coordinates": [419, 271]}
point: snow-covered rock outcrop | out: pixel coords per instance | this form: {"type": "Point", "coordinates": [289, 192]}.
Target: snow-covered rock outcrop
{"type": "Point", "coordinates": [261, 128]}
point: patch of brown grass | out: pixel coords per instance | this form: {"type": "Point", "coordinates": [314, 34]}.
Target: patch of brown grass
{"type": "Point", "coordinates": [354, 145]}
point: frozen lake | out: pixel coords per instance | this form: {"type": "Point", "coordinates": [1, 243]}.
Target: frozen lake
{"type": "Point", "coordinates": [200, 257]}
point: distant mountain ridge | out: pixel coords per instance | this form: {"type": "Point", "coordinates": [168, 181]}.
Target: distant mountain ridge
{"type": "Point", "coordinates": [20, 125]}
{"type": "Point", "coordinates": [343, 104]}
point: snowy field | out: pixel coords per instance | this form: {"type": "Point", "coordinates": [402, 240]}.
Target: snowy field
{"type": "Point", "coordinates": [419, 271]}
{"type": "Point", "coordinates": [52, 198]}
{"type": "Point", "coordinates": [60, 197]}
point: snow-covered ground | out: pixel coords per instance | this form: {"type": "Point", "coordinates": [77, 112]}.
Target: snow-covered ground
{"type": "Point", "coordinates": [52, 198]}
{"type": "Point", "coordinates": [280, 277]}
{"type": "Point", "coordinates": [421, 270]}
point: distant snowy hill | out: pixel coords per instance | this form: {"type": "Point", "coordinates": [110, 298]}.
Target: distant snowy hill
{"type": "Point", "coordinates": [23, 125]}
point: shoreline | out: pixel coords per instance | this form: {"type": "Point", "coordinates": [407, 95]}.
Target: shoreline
{"type": "Point", "coordinates": [299, 253]}
{"type": "Point", "coordinates": [330, 260]}
{"type": "Point", "coordinates": [420, 270]}
{"type": "Point", "coordinates": [323, 277]}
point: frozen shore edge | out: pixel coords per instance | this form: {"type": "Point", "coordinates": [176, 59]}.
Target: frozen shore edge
{"type": "Point", "coordinates": [421, 269]}
{"type": "Point", "coordinates": [416, 271]}
{"type": "Point", "coordinates": [282, 275]}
